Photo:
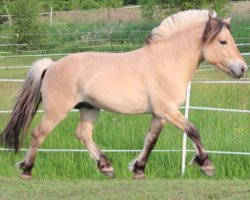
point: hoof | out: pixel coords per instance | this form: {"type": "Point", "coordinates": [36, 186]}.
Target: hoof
{"type": "Point", "coordinates": [137, 169]}
{"type": "Point", "coordinates": [139, 176]}
{"type": "Point", "coordinates": [25, 176]}
{"type": "Point", "coordinates": [104, 165]}
{"type": "Point", "coordinates": [208, 169]}
{"type": "Point", "coordinates": [208, 172]}
{"type": "Point", "coordinates": [206, 165]}
{"type": "Point", "coordinates": [109, 173]}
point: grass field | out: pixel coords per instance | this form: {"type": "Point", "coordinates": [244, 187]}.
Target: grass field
{"type": "Point", "coordinates": [219, 130]}
{"type": "Point", "coordinates": [13, 188]}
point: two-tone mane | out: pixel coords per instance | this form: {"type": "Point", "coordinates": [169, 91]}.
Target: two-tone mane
{"type": "Point", "coordinates": [179, 21]}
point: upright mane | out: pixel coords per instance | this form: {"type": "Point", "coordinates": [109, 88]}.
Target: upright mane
{"type": "Point", "coordinates": [179, 21]}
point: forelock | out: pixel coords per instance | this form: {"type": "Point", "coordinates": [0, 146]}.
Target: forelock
{"type": "Point", "coordinates": [212, 29]}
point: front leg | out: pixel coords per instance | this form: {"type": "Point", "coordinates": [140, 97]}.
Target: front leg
{"type": "Point", "coordinates": [138, 166]}
{"type": "Point", "coordinates": [177, 119]}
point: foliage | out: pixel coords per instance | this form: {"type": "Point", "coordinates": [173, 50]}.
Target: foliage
{"type": "Point", "coordinates": [3, 6]}
{"type": "Point", "coordinates": [25, 15]}
{"type": "Point", "coordinates": [130, 2]}
{"type": "Point", "coordinates": [155, 8]}
{"type": "Point", "coordinates": [65, 5]}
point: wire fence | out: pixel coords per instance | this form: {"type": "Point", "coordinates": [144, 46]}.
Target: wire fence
{"type": "Point", "coordinates": [86, 40]}
{"type": "Point", "coordinates": [58, 48]}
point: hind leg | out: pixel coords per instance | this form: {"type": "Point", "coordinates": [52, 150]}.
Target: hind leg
{"type": "Point", "coordinates": [84, 133]}
{"type": "Point", "coordinates": [138, 166]}
{"type": "Point", "coordinates": [39, 134]}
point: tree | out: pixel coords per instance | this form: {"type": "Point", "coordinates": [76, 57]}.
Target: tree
{"type": "Point", "coordinates": [65, 5]}
{"type": "Point", "coordinates": [150, 8]}
{"type": "Point", "coordinates": [25, 15]}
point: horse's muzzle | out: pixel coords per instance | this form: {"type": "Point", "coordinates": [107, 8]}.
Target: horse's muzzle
{"type": "Point", "coordinates": [237, 70]}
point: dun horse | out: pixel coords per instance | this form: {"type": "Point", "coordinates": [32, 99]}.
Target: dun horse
{"type": "Point", "coordinates": [152, 79]}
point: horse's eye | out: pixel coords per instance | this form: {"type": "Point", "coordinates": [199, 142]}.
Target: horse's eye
{"type": "Point", "coordinates": [223, 42]}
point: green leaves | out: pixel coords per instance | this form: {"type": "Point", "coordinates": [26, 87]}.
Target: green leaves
{"type": "Point", "coordinates": [160, 8]}
{"type": "Point", "coordinates": [25, 14]}
{"type": "Point", "coordinates": [66, 5]}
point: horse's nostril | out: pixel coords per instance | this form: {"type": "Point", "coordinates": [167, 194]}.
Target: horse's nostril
{"type": "Point", "coordinates": [242, 69]}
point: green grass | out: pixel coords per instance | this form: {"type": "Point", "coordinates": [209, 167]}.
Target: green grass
{"type": "Point", "coordinates": [13, 188]}
{"type": "Point", "coordinates": [219, 131]}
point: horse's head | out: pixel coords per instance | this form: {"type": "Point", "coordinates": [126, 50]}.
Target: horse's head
{"type": "Point", "coordinates": [219, 48]}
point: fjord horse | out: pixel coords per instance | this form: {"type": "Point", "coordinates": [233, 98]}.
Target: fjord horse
{"type": "Point", "coordinates": [152, 79]}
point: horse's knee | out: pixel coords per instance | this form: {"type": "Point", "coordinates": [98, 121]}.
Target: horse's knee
{"type": "Point", "coordinates": [83, 137]}
{"type": "Point", "coordinates": [36, 137]}
{"type": "Point", "coordinates": [78, 134]}
{"type": "Point", "coordinates": [84, 132]}
{"type": "Point", "coordinates": [34, 133]}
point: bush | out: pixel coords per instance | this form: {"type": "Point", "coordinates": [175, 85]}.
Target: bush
{"type": "Point", "coordinates": [25, 15]}
{"type": "Point", "coordinates": [152, 8]}
{"type": "Point", "coordinates": [65, 5]}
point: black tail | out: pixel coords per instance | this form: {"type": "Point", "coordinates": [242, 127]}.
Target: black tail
{"type": "Point", "coordinates": [26, 106]}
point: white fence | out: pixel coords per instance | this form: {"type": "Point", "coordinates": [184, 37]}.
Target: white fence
{"type": "Point", "coordinates": [187, 108]}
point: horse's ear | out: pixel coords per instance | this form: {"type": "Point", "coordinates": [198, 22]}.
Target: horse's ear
{"type": "Point", "coordinates": [227, 20]}
{"type": "Point", "coordinates": [212, 14]}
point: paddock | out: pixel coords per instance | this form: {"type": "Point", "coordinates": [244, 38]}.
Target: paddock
{"type": "Point", "coordinates": [218, 105]}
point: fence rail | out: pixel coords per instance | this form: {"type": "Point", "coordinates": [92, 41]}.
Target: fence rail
{"type": "Point", "coordinates": [65, 54]}
{"type": "Point", "coordinates": [130, 151]}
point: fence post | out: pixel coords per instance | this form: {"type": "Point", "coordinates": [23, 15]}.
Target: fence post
{"type": "Point", "coordinates": [51, 16]}
{"type": "Point", "coordinates": [184, 141]}
{"type": "Point", "coordinates": [9, 16]}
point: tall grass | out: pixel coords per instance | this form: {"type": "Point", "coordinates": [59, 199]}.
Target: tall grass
{"type": "Point", "coordinates": [114, 131]}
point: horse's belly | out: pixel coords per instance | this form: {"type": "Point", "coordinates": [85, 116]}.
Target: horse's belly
{"type": "Point", "coordinates": [123, 102]}
{"type": "Point", "coordinates": [136, 108]}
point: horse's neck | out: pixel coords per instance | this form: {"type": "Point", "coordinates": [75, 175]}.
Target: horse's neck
{"type": "Point", "coordinates": [182, 51]}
